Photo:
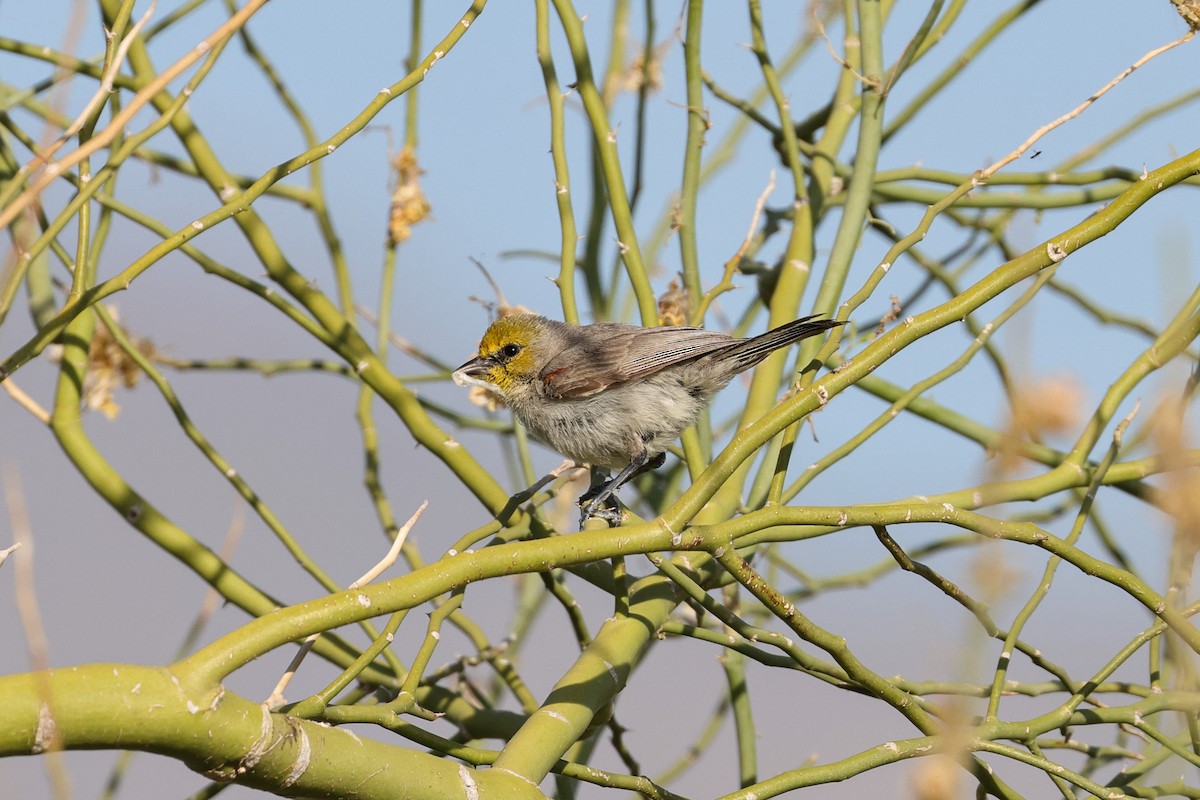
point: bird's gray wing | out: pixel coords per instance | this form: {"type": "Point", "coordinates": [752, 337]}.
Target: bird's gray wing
{"type": "Point", "coordinates": [607, 354]}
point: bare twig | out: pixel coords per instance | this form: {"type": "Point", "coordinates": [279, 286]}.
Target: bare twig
{"type": "Point", "coordinates": [1070, 115]}
{"type": "Point", "coordinates": [26, 402]}
{"type": "Point", "coordinates": [103, 137]}
{"type": "Point", "coordinates": [820, 26]}
{"type": "Point", "coordinates": [735, 260]}
{"type": "Point", "coordinates": [276, 699]}
{"type": "Point", "coordinates": [212, 597]}
{"type": "Point", "coordinates": [106, 85]}
{"type": "Point", "coordinates": [8, 551]}
{"type": "Point", "coordinates": [394, 551]}
{"type": "Point", "coordinates": [31, 619]}
{"type": "Point", "coordinates": [46, 738]}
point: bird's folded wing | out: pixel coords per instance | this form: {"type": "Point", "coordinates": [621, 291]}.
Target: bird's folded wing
{"type": "Point", "coordinates": [625, 353]}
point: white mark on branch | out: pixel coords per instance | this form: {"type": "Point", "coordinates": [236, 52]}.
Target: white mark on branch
{"type": "Point", "coordinates": [303, 759]}
{"type": "Point", "coordinates": [261, 745]}
{"type": "Point", "coordinates": [45, 733]}
{"type": "Point", "coordinates": [437, 56]}
{"type": "Point", "coordinates": [515, 775]}
{"type": "Point", "coordinates": [468, 782]}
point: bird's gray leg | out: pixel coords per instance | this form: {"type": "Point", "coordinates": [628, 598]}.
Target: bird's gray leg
{"type": "Point", "coordinates": [602, 503]}
{"type": "Point", "coordinates": [599, 480]}
{"type": "Point", "coordinates": [605, 495]}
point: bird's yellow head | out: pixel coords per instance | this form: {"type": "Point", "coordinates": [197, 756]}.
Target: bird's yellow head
{"type": "Point", "coordinates": [508, 360]}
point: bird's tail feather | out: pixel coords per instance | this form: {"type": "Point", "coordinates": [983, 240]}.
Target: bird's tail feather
{"type": "Point", "coordinates": [749, 352]}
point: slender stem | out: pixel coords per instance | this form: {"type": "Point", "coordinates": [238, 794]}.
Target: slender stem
{"type": "Point", "coordinates": [605, 138]}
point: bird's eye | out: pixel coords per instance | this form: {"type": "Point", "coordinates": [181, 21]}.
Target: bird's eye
{"type": "Point", "coordinates": [510, 351]}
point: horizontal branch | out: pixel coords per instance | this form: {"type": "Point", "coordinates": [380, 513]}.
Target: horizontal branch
{"type": "Point", "coordinates": [224, 736]}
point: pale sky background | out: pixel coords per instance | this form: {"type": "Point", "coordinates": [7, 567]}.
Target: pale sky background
{"type": "Point", "coordinates": [106, 594]}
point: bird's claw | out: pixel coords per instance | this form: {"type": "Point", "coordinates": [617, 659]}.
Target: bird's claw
{"type": "Point", "coordinates": [608, 510]}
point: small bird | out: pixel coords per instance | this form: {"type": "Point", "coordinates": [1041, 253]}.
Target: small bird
{"type": "Point", "coordinates": [613, 395]}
